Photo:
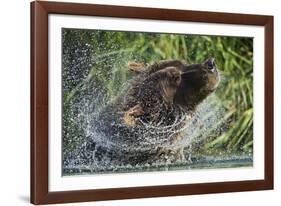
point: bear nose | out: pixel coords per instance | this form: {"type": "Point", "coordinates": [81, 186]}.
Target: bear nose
{"type": "Point", "coordinates": [211, 64]}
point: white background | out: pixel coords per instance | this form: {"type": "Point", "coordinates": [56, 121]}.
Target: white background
{"type": "Point", "coordinates": [14, 109]}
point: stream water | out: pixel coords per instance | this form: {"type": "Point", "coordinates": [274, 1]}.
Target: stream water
{"type": "Point", "coordinates": [210, 162]}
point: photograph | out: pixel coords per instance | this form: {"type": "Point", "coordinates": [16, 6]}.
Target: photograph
{"type": "Point", "coordinates": [136, 101]}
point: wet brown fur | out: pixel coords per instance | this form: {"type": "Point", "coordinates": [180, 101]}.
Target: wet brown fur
{"type": "Point", "coordinates": [168, 89]}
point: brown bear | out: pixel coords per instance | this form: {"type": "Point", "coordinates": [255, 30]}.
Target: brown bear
{"type": "Point", "coordinates": [146, 122]}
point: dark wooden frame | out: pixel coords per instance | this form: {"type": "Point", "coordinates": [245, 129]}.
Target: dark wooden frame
{"type": "Point", "coordinates": [39, 102]}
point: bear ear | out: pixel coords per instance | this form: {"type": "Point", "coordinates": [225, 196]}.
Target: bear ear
{"type": "Point", "coordinates": [130, 116]}
{"type": "Point", "coordinates": [136, 67]}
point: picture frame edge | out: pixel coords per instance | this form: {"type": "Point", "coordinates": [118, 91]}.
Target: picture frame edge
{"type": "Point", "coordinates": [39, 193]}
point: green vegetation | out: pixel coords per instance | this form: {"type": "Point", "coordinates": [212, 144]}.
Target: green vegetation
{"type": "Point", "coordinates": [102, 56]}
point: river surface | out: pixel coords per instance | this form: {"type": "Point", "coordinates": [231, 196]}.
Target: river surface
{"type": "Point", "coordinates": [209, 162]}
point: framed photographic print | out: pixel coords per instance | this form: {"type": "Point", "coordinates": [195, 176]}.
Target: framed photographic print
{"type": "Point", "coordinates": [131, 102]}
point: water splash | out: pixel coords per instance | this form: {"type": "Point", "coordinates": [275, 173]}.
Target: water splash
{"type": "Point", "coordinates": [86, 107]}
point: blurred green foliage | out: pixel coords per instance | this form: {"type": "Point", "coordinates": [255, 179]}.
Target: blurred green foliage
{"type": "Point", "coordinates": [108, 52]}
